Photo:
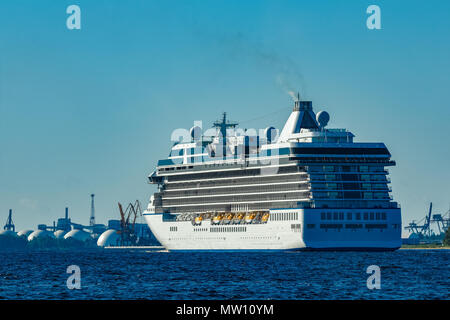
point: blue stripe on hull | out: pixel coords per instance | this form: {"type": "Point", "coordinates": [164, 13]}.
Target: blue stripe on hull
{"type": "Point", "coordinates": [366, 249]}
{"type": "Point", "coordinates": [232, 250]}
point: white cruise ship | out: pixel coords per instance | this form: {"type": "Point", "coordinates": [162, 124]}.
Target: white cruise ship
{"type": "Point", "coordinates": [308, 187]}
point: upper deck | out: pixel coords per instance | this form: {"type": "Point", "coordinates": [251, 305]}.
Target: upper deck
{"type": "Point", "coordinates": [306, 165]}
{"type": "Point", "coordinates": [304, 137]}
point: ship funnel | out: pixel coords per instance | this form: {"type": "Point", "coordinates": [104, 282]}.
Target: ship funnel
{"type": "Point", "coordinates": [302, 117]}
{"type": "Point", "coordinates": [302, 105]}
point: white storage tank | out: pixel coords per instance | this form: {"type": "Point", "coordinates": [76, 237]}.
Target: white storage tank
{"type": "Point", "coordinates": [109, 238]}
{"type": "Point", "coordinates": [59, 234]}
{"type": "Point", "coordinates": [8, 233]}
{"type": "Point", "coordinates": [24, 233]}
{"type": "Point", "coordinates": [10, 241]}
{"type": "Point", "coordinates": [40, 234]}
{"type": "Point", "coordinates": [79, 235]}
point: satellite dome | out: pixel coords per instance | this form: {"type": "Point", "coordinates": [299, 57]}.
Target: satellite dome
{"type": "Point", "coordinates": [270, 134]}
{"type": "Point", "coordinates": [322, 118]}
{"type": "Point", "coordinates": [196, 133]}
{"type": "Point", "coordinates": [8, 233]}
{"type": "Point", "coordinates": [24, 233]}
{"type": "Point", "coordinates": [40, 234]}
{"type": "Point", "coordinates": [108, 238]}
{"type": "Point", "coordinates": [59, 234]}
{"type": "Point", "coordinates": [77, 234]}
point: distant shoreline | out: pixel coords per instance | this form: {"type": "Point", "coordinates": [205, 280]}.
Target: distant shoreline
{"type": "Point", "coordinates": [423, 248]}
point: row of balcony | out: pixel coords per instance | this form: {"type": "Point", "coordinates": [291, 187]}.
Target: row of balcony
{"type": "Point", "coordinates": [254, 180]}
{"type": "Point", "coordinates": [227, 199]}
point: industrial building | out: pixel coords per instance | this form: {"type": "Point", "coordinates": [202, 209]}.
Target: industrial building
{"type": "Point", "coordinates": [64, 233]}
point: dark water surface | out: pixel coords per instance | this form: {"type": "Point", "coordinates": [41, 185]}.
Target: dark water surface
{"type": "Point", "coordinates": [405, 274]}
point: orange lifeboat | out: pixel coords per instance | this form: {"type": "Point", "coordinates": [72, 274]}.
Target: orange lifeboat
{"type": "Point", "coordinates": [238, 217]}
{"type": "Point", "coordinates": [198, 220]}
{"type": "Point", "coordinates": [217, 219]}
{"type": "Point", "coordinates": [249, 217]}
{"type": "Point", "coordinates": [228, 218]}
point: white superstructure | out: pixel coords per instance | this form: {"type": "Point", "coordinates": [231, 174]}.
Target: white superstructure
{"type": "Point", "coordinates": [311, 188]}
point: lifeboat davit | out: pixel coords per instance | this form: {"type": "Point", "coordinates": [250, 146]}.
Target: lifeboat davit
{"type": "Point", "coordinates": [207, 215]}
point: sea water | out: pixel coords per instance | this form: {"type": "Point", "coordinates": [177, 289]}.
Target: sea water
{"type": "Point", "coordinates": [141, 274]}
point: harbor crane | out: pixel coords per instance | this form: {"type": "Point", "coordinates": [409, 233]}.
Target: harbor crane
{"type": "Point", "coordinates": [424, 230]}
{"type": "Point", "coordinates": [127, 231]}
{"type": "Point", "coordinates": [442, 221]}
{"type": "Point", "coordinates": [9, 223]}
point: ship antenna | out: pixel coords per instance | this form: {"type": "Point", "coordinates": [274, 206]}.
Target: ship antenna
{"type": "Point", "coordinates": [222, 126]}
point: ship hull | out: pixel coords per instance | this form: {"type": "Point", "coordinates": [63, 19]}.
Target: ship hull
{"type": "Point", "coordinates": [287, 229]}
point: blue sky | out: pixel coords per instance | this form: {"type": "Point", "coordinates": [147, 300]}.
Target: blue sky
{"type": "Point", "coordinates": [91, 110]}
